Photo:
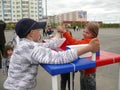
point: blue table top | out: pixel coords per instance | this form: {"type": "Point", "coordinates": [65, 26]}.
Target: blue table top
{"type": "Point", "coordinates": [78, 64]}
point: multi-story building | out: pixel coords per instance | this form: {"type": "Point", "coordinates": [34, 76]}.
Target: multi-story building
{"type": "Point", "coordinates": [13, 10]}
{"type": "Point", "coordinates": [75, 16]}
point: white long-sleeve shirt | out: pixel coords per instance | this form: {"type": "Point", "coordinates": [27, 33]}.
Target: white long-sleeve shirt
{"type": "Point", "coordinates": [25, 60]}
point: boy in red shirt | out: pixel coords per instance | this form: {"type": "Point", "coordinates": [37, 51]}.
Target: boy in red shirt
{"type": "Point", "coordinates": [88, 77]}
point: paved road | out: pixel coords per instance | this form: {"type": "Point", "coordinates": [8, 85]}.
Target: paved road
{"type": "Point", "coordinates": [107, 76]}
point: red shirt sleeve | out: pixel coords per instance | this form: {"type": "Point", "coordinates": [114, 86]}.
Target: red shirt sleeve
{"type": "Point", "coordinates": [73, 41]}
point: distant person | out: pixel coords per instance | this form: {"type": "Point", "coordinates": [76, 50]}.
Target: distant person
{"type": "Point", "coordinates": [49, 31]}
{"type": "Point", "coordinates": [44, 32]}
{"type": "Point", "coordinates": [2, 39]}
{"type": "Point", "coordinates": [87, 77]}
{"type": "Point", "coordinates": [8, 50]}
{"type": "Point", "coordinates": [74, 27]}
{"type": "Point", "coordinates": [29, 54]}
{"type": "Point", "coordinates": [43, 26]}
{"type": "Point", "coordinates": [77, 28]}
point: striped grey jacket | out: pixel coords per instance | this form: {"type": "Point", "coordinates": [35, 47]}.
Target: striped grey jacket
{"type": "Point", "coordinates": [25, 60]}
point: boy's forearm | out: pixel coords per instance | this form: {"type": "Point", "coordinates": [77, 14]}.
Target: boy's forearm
{"type": "Point", "coordinates": [57, 35]}
{"type": "Point", "coordinates": [83, 50]}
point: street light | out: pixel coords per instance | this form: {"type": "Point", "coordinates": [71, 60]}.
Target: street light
{"type": "Point", "coordinates": [46, 7]}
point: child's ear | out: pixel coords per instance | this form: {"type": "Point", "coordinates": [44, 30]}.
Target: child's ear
{"type": "Point", "coordinates": [30, 33]}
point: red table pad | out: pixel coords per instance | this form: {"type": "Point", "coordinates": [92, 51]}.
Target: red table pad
{"type": "Point", "coordinates": [107, 58]}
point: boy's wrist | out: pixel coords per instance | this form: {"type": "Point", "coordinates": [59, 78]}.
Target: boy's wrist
{"type": "Point", "coordinates": [90, 47]}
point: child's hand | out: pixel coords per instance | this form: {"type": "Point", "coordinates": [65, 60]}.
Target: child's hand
{"type": "Point", "coordinates": [95, 45]}
{"type": "Point", "coordinates": [61, 29]}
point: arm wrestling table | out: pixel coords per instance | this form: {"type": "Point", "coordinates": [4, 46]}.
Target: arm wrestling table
{"type": "Point", "coordinates": [105, 58]}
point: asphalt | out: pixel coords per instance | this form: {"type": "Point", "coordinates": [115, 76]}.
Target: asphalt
{"type": "Point", "coordinates": [106, 76]}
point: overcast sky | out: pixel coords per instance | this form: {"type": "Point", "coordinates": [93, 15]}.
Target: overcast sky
{"type": "Point", "coordinates": [105, 10]}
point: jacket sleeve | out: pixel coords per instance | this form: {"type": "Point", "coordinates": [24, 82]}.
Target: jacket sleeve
{"type": "Point", "coordinates": [53, 43]}
{"type": "Point", "coordinates": [48, 56]}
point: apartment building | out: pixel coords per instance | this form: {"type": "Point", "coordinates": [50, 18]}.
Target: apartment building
{"type": "Point", "coordinates": [75, 16]}
{"type": "Point", "coordinates": [13, 10]}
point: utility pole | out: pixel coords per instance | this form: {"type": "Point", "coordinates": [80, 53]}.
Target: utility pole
{"type": "Point", "coordinates": [46, 8]}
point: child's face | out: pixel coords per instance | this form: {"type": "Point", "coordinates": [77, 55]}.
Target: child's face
{"type": "Point", "coordinates": [36, 35]}
{"type": "Point", "coordinates": [87, 34]}
{"type": "Point", "coordinates": [9, 52]}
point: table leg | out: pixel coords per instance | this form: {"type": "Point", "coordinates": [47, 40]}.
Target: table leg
{"type": "Point", "coordinates": [94, 56]}
{"type": "Point", "coordinates": [71, 80]}
{"type": "Point", "coordinates": [119, 77]}
{"type": "Point", "coordinates": [54, 83]}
